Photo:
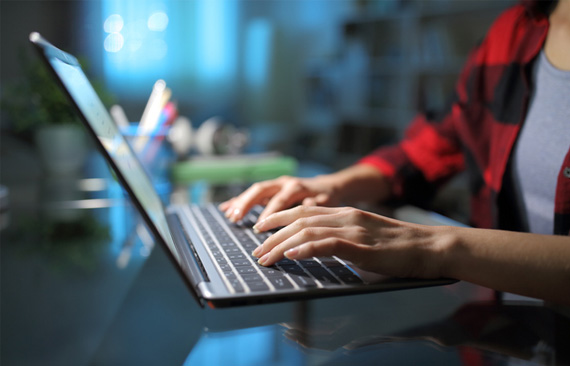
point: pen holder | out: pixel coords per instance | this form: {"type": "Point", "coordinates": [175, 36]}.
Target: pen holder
{"type": "Point", "coordinates": [154, 153]}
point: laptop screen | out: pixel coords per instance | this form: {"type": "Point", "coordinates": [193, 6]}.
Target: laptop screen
{"type": "Point", "coordinates": [96, 115]}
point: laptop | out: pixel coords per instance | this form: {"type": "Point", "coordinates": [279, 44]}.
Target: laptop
{"type": "Point", "coordinates": [211, 254]}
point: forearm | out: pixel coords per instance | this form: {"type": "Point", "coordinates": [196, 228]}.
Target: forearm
{"type": "Point", "coordinates": [526, 264]}
{"type": "Point", "coordinates": [361, 183]}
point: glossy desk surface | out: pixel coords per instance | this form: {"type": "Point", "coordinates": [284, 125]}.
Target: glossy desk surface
{"type": "Point", "coordinates": [83, 284]}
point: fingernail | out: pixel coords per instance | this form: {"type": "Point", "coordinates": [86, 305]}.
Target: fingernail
{"type": "Point", "coordinates": [292, 253]}
{"type": "Point", "coordinates": [234, 215]}
{"type": "Point", "coordinates": [257, 251]}
{"type": "Point", "coordinates": [263, 259]}
{"type": "Point", "coordinates": [257, 225]}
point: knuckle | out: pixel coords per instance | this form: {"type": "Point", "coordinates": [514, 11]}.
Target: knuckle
{"type": "Point", "coordinates": [361, 234]}
{"type": "Point", "coordinates": [256, 187]}
{"type": "Point", "coordinates": [301, 210]}
{"type": "Point", "coordinates": [294, 182]}
{"type": "Point", "coordinates": [300, 223]}
{"type": "Point", "coordinates": [336, 245]}
{"type": "Point", "coordinates": [310, 247]}
{"type": "Point", "coordinates": [279, 199]}
{"type": "Point", "coordinates": [354, 215]}
{"type": "Point", "coordinates": [307, 233]}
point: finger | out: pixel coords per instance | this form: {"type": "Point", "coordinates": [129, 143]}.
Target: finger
{"type": "Point", "coordinates": [274, 252]}
{"type": "Point", "coordinates": [289, 195]}
{"type": "Point", "coordinates": [292, 222]}
{"type": "Point", "coordinates": [287, 217]}
{"type": "Point", "coordinates": [324, 199]}
{"type": "Point", "coordinates": [324, 247]}
{"type": "Point", "coordinates": [310, 201]}
{"type": "Point", "coordinates": [226, 204]}
{"type": "Point", "coordinates": [258, 193]}
{"type": "Point", "coordinates": [328, 247]}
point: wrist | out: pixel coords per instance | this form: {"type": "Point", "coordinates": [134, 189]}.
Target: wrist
{"type": "Point", "coordinates": [360, 183]}
{"type": "Point", "coordinates": [444, 251]}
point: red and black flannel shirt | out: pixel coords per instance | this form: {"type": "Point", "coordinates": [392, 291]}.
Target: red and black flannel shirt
{"type": "Point", "coordinates": [478, 130]}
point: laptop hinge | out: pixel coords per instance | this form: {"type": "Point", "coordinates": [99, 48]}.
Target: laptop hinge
{"type": "Point", "coordinates": [192, 261]}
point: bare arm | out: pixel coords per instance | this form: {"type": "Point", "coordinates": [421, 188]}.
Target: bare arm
{"type": "Point", "coordinates": [527, 264]}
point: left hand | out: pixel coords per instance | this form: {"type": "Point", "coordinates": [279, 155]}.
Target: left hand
{"type": "Point", "coordinates": [370, 241]}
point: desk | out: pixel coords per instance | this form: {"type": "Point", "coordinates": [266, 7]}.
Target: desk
{"type": "Point", "coordinates": [82, 284]}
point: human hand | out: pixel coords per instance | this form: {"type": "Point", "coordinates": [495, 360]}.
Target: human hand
{"type": "Point", "coordinates": [370, 241]}
{"type": "Point", "coordinates": [282, 193]}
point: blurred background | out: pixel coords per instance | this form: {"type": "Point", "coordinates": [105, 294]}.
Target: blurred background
{"type": "Point", "coordinates": [323, 81]}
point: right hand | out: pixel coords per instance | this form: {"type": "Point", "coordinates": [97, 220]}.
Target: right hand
{"type": "Point", "coordinates": [282, 193]}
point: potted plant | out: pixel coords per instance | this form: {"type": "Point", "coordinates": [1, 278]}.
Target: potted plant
{"type": "Point", "coordinates": [36, 106]}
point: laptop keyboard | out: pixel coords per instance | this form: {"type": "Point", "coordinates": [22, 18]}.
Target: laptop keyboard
{"type": "Point", "coordinates": [231, 246]}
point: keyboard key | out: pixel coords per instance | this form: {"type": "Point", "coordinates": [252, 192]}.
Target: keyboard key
{"type": "Point", "coordinates": [249, 247]}
{"type": "Point", "coordinates": [285, 262]}
{"type": "Point", "coordinates": [250, 278]}
{"type": "Point", "coordinates": [339, 271]}
{"type": "Point", "coordinates": [255, 282]}
{"type": "Point", "coordinates": [351, 279]}
{"type": "Point", "coordinates": [303, 281]}
{"type": "Point", "coordinates": [292, 268]}
{"type": "Point", "coordinates": [227, 244]}
{"type": "Point", "coordinates": [225, 268]}
{"type": "Point", "coordinates": [280, 283]}
{"type": "Point", "coordinates": [330, 262]}
{"type": "Point", "coordinates": [323, 276]}
{"type": "Point", "coordinates": [258, 286]}
{"type": "Point", "coordinates": [233, 250]}
{"type": "Point", "coordinates": [237, 286]}
{"type": "Point", "coordinates": [241, 262]}
{"type": "Point", "coordinates": [309, 263]}
{"type": "Point", "coordinates": [271, 272]}
{"type": "Point", "coordinates": [246, 270]}
{"type": "Point", "coordinates": [346, 275]}
{"type": "Point", "coordinates": [236, 256]}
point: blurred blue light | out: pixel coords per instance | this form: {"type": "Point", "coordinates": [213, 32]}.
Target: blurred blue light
{"type": "Point", "coordinates": [216, 22]}
{"type": "Point", "coordinates": [158, 21]}
{"type": "Point", "coordinates": [114, 42]}
{"type": "Point", "coordinates": [182, 42]}
{"type": "Point", "coordinates": [258, 52]}
{"type": "Point", "coordinates": [113, 24]}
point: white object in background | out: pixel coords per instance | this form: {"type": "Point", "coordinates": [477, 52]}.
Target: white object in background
{"type": "Point", "coordinates": [151, 115]}
{"type": "Point", "coordinates": [181, 136]}
{"type": "Point", "coordinates": [206, 134]}
{"type": "Point", "coordinates": [119, 116]}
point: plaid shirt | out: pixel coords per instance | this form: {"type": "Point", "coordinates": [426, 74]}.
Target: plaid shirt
{"type": "Point", "coordinates": [477, 131]}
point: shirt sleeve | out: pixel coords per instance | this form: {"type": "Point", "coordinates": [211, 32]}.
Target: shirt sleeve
{"type": "Point", "coordinates": [430, 152]}
{"type": "Point", "coordinates": [426, 158]}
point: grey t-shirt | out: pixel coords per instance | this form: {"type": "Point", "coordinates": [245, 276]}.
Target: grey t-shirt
{"type": "Point", "coordinates": [540, 149]}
